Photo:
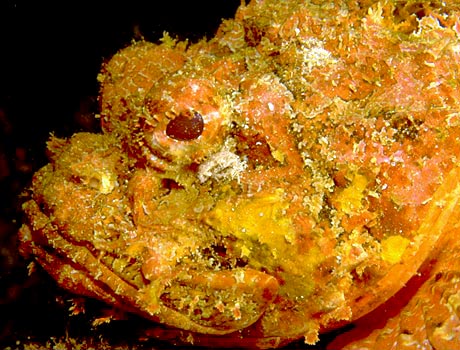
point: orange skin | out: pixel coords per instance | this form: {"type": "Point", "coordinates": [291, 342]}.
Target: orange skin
{"type": "Point", "coordinates": [282, 179]}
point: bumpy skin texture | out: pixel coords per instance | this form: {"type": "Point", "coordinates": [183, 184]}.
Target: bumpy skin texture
{"type": "Point", "coordinates": [284, 178]}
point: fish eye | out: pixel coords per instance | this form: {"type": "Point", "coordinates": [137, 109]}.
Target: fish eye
{"type": "Point", "coordinates": [186, 126]}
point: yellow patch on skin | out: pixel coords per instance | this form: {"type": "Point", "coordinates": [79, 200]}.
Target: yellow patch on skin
{"type": "Point", "coordinates": [350, 199]}
{"type": "Point", "coordinates": [259, 219]}
{"type": "Point", "coordinates": [393, 248]}
{"type": "Point", "coordinates": [279, 156]}
{"type": "Point", "coordinates": [267, 236]}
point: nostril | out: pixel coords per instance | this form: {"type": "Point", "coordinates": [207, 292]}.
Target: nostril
{"type": "Point", "coordinates": [171, 184]}
{"type": "Point", "coordinates": [185, 127]}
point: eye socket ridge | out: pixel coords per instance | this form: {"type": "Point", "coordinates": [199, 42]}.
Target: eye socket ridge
{"type": "Point", "coordinates": [186, 126]}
